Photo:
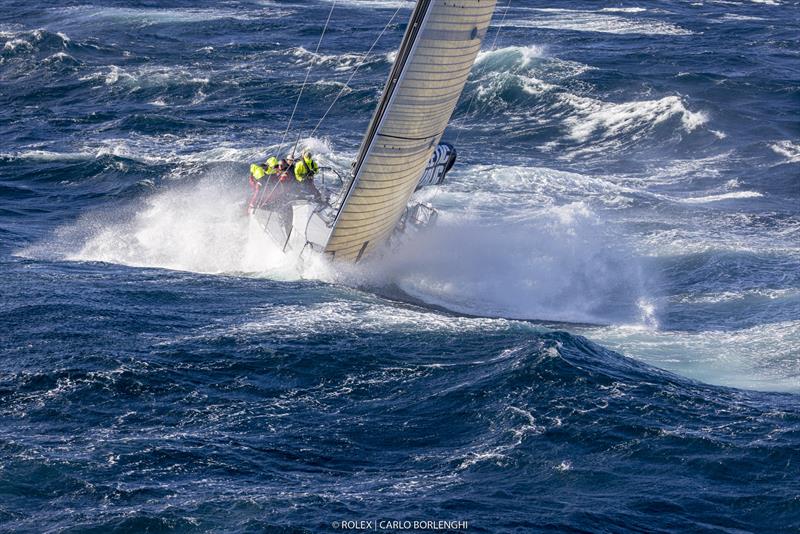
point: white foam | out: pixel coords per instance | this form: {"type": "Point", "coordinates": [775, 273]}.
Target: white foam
{"type": "Point", "coordinates": [623, 10]}
{"type": "Point", "coordinates": [529, 64]}
{"type": "Point", "coordinates": [60, 57]}
{"type": "Point", "coordinates": [376, 4]}
{"type": "Point", "coordinates": [552, 266]}
{"type": "Point", "coordinates": [524, 55]}
{"type": "Point", "coordinates": [14, 44]}
{"type": "Point", "coordinates": [627, 118]}
{"type": "Point", "coordinates": [352, 315]}
{"type": "Point", "coordinates": [197, 227]}
{"type": "Point", "coordinates": [146, 76]}
{"type": "Point", "coordinates": [719, 234]}
{"type": "Point", "coordinates": [597, 125]}
{"type": "Point", "coordinates": [564, 466]}
{"type": "Point", "coordinates": [339, 62]}
{"type": "Point", "coordinates": [590, 21]}
{"type": "Point", "coordinates": [47, 155]}
{"type": "Point", "coordinates": [26, 39]}
{"type": "Point", "coordinates": [733, 17]}
{"type": "Point", "coordinates": [722, 196]}
{"type": "Point", "coordinates": [762, 357]}
{"type": "Point", "coordinates": [731, 296]}
{"type": "Point", "coordinates": [788, 149]}
{"type": "Point", "coordinates": [150, 16]}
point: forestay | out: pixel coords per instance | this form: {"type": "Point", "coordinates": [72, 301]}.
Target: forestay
{"type": "Point", "coordinates": [439, 48]}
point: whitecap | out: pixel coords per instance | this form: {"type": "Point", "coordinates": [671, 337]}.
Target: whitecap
{"type": "Point", "coordinates": [762, 357]}
{"type": "Point", "coordinates": [788, 149]}
{"type": "Point", "coordinates": [722, 196]}
{"type": "Point", "coordinates": [623, 10]}
{"type": "Point", "coordinates": [589, 21]}
{"type": "Point", "coordinates": [150, 16]}
{"type": "Point", "coordinates": [521, 55]}
{"type": "Point", "coordinates": [628, 120]}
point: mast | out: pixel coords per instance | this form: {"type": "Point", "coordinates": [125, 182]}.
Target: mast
{"type": "Point", "coordinates": [438, 50]}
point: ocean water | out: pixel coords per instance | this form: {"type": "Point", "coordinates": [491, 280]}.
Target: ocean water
{"type": "Point", "coordinates": [601, 335]}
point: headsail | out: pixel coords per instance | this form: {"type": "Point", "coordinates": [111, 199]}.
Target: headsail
{"type": "Point", "coordinates": [439, 48]}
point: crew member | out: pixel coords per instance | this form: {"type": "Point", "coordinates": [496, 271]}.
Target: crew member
{"type": "Point", "coordinates": [285, 170]}
{"type": "Point", "coordinates": [272, 165]}
{"type": "Point", "coordinates": [306, 168]}
{"type": "Point", "coordinates": [257, 173]}
{"type": "Point", "coordinates": [304, 171]}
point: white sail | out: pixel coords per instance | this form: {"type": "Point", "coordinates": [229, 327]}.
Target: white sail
{"type": "Point", "coordinates": [439, 48]}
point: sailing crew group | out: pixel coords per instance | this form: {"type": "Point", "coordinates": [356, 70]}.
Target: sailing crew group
{"type": "Point", "coordinates": [288, 179]}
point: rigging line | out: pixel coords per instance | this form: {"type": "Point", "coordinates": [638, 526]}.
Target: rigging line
{"type": "Point", "coordinates": [308, 73]}
{"type": "Point", "coordinates": [360, 64]}
{"type": "Point", "coordinates": [492, 49]}
{"type": "Point", "coordinates": [262, 196]}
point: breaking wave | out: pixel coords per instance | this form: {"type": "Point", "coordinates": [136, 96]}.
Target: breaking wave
{"type": "Point", "coordinates": [338, 62]}
{"type": "Point", "coordinates": [788, 149]}
{"type": "Point", "coordinates": [722, 196]}
{"type": "Point", "coordinates": [601, 126]}
{"type": "Point", "coordinates": [139, 17]}
{"type": "Point", "coordinates": [539, 93]}
{"type": "Point", "coordinates": [23, 42]}
{"type": "Point", "coordinates": [592, 21]}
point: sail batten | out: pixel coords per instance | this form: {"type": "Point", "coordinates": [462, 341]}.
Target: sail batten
{"type": "Point", "coordinates": [438, 50]}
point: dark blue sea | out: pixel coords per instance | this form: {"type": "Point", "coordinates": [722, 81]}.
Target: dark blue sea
{"type": "Point", "coordinates": [602, 333]}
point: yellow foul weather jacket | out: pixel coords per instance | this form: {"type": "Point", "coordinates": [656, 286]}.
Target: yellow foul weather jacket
{"type": "Point", "coordinates": [305, 169]}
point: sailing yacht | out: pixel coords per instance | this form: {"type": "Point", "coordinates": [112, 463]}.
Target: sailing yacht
{"type": "Point", "coordinates": [401, 150]}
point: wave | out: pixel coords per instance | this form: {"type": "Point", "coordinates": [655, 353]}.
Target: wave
{"type": "Point", "coordinates": [591, 21]}
{"type": "Point", "coordinates": [733, 17]}
{"type": "Point", "coordinates": [339, 62]}
{"type": "Point", "coordinates": [554, 265]}
{"type": "Point", "coordinates": [47, 155]}
{"type": "Point", "coordinates": [540, 93]}
{"type": "Point", "coordinates": [142, 17]}
{"type": "Point", "coordinates": [531, 62]}
{"type": "Point", "coordinates": [736, 358]}
{"type": "Point", "coordinates": [517, 56]}
{"type": "Point", "coordinates": [176, 150]}
{"type": "Point", "coordinates": [182, 226]}
{"type": "Point", "coordinates": [591, 126]}
{"type": "Point", "coordinates": [376, 4]}
{"type": "Point", "coordinates": [629, 119]}
{"type": "Point", "coordinates": [623, 10]}
{"type": "Point", "coordinates": [788, 149]}
{"type": "Point", "coordinates": [703, 231]}
{"type": "Point", "coordinates": [25, 41]}
{"type": "Point", "coordinates": [722, 196]}
{"type": "Point", "coordinates": [549, 263]}
{"type": "Point", "coordinates": [146, 77]}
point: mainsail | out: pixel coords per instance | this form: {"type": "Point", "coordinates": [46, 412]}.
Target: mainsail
{"type": "Point", "coordinates": [439, 48]}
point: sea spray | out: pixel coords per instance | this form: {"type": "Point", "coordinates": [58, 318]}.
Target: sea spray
{"type": "Point", "coordinates": [199, 227]}
{"type": "Point", "coordinates": [556, 266]}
